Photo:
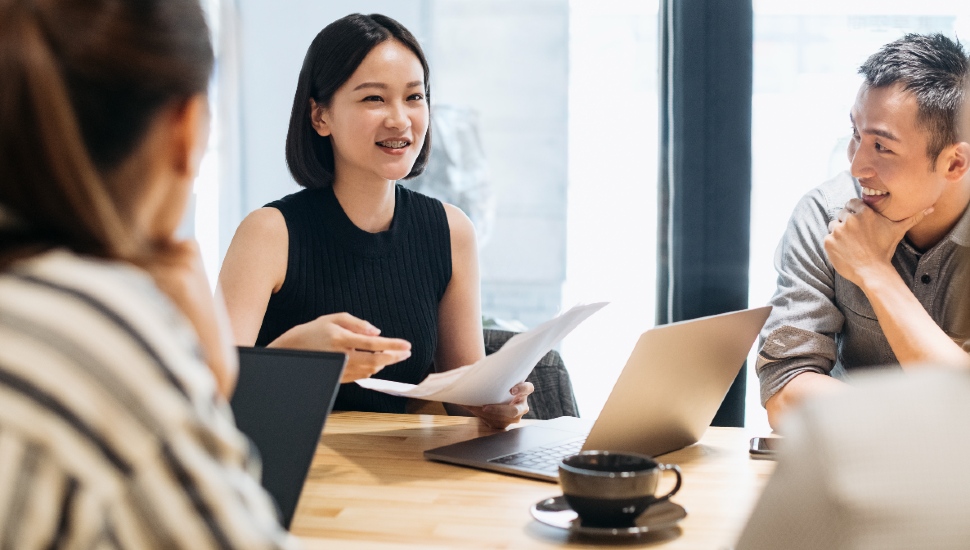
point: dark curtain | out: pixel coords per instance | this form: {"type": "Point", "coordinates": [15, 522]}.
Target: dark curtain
{"type": "Point", "coordinates": [705, 166]}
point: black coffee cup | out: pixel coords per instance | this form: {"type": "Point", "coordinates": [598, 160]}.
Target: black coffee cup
{"type": "Point", "coordinates": [609, 489]}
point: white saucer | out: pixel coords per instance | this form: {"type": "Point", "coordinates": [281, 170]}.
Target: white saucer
{"type": "Point", "coordinates": [557, 513]}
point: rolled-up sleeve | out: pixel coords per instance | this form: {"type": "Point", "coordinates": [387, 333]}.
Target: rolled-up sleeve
{"type": "Point", "coordinates": [799, 335]}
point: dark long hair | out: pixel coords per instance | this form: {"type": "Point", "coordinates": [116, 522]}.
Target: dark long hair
{"type": "Point", "coordinates": [81, 84]}
{"type": "Point", "coordinates": [334, 55]}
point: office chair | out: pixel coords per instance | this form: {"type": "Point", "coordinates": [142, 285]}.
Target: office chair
{"type": "Point", "coordinates": [553, 396]}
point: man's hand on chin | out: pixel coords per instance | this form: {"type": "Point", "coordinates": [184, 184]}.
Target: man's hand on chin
{"type": "Point", "coordinates": [861, 242]}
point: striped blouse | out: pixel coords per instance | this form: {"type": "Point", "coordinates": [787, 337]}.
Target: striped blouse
{"type": "Point", "coordinates": [112, 434]}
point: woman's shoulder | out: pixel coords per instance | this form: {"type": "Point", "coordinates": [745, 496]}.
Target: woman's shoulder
{"type": "Point", "coordinates": [302, 198]}
{"type": "Point", "coordinates": [299, 211]}
{"type": "Point", "coordinates": [110, 311]}
{"type": "Point", "coordinates": [416, 197]}
{"type": "Point", "coordinates": [107, 285]}
{"type": "Point", "coordinates": [263, 224]}
{"type": "Point", "coordinates": [423, 207]}
{"type": "Point", "coordinates": [94, 334]}
{"type": "Point", "coordinates": [104, 379]}
{"type": "Point", "coordinates": [459, 223]}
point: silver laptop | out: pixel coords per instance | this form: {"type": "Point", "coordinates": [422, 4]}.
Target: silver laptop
{"type": "Point", "coordinates": [664, 400]}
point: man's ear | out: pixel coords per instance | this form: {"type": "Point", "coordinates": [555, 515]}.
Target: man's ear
{"type": "Point", "coordinates": [318, 118]}
{"type": "Point", "coordinates": [958, 161]}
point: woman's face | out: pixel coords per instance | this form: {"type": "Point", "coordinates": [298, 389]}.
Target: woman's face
{"type": "Point", "coordinates": [378, 119]}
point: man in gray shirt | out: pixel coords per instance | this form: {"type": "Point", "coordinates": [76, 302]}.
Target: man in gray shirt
{"type": "Point", "coordinates": [871, 265]}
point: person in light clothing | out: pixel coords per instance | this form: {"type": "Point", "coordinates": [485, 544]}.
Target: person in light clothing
{"type": "Point", "coordinates": [115, 361]}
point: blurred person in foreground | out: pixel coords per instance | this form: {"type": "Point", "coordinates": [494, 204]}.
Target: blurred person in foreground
{"type": "Point", "coordinates": [874, 260]}
{"type": "Point", "coordinates": [115, 361]}
{"type": "Point", "coordinates": [880, 467]}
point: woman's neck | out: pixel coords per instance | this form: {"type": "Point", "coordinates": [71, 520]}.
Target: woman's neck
{"type": "Point", "coordinates": [369, 204]}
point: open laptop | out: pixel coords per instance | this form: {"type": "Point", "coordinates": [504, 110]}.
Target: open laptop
{"type": "Point", "coordinates": [281, 401]}
{"type": "Point", "coordinates": [664, 400]}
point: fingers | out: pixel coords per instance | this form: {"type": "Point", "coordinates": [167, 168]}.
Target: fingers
{"type": "Point", "coordinates": [366, 352]}
{"type": "Point", "coordinates": [363, 335]}
{"type": "Point", "coordinates": [491, 420]}
{"type": "Point", "coordinates": [362, 364]}
{"type": "Point", "coordinates": [844, 214]}
{"type": "Point", "coordinates": [347, 333]}
{"type": "Point", "coordinates": [522, 389]}
{"type": "Point", "coordinates": [512, 410]}
{"type": "Point", "coordinates": [495, 422]}
{"type": "Point", "coordinates": [357, 372]}
{"type": "Point", "coordinates": [912, 221]}
{"type": "Point", "coordinates": [353, 324]}
{"type": "Point", "coordinates": [855, 205]}
{"type": "Point", "coordinates": [374, 344]}
{"type": "Point", "coordinates": [517, 406]}
{"type": "Point", "coordinates": [500, 416]}
{"type": "Point", "coordinates": [377, 359]}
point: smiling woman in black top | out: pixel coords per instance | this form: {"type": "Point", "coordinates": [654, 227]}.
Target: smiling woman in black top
{"type": "Point", "coordinates": [320, 268]}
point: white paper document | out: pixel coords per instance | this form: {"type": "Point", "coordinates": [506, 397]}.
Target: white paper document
{"type": "Point", "coordinates": [488, 381]}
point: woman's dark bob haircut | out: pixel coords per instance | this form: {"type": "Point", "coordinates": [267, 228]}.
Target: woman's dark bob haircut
{"type": "Point", "coordinates": [333, 57]}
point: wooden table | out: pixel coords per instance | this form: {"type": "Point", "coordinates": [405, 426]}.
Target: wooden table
{"type": "Point", "coordinates": [370, 487]}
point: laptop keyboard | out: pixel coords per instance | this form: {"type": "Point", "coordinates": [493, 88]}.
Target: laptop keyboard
{"type": "Point", "coordinates": [544, 459]}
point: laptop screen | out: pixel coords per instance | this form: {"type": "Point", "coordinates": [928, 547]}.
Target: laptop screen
{"type": "Point", "coordinates": [281, 402]}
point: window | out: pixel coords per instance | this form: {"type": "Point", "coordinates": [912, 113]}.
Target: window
{"type": "Point", "coordinates": [611, 245]}
{"type": "Point", "coordinates": [202, 219]}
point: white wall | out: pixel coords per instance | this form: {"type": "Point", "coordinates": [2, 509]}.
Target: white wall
{"type": "Point", "coordinates": [273, 39]}
{"type": "Point", "coordinates": [509, 60]}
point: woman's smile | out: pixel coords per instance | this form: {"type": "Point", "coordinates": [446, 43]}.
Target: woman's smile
{"type": "Point", "coordinates": [394, 146]}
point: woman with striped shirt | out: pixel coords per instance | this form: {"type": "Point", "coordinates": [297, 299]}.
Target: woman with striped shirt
{"type": "Point", "coordinates": [115, 361]}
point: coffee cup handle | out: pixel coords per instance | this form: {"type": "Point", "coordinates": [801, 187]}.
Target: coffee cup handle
{"type": "Point", "coordinates": [676, 470]}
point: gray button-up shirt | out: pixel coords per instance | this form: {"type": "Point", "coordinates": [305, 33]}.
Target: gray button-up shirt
{"type": "Point", "coordinates": [823, 323]}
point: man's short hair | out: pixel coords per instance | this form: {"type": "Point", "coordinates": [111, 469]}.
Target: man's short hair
{"type": "Point", "coordinates": [934, 69]}
{"type": "Point", "coordinates": [963, 127]}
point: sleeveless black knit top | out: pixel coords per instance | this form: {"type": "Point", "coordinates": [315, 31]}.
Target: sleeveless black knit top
{"type": "Point", "coordinates": [393, 279]}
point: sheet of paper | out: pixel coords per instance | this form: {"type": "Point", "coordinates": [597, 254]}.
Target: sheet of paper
{"type": "Point", "coordinates": [488, 381]}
